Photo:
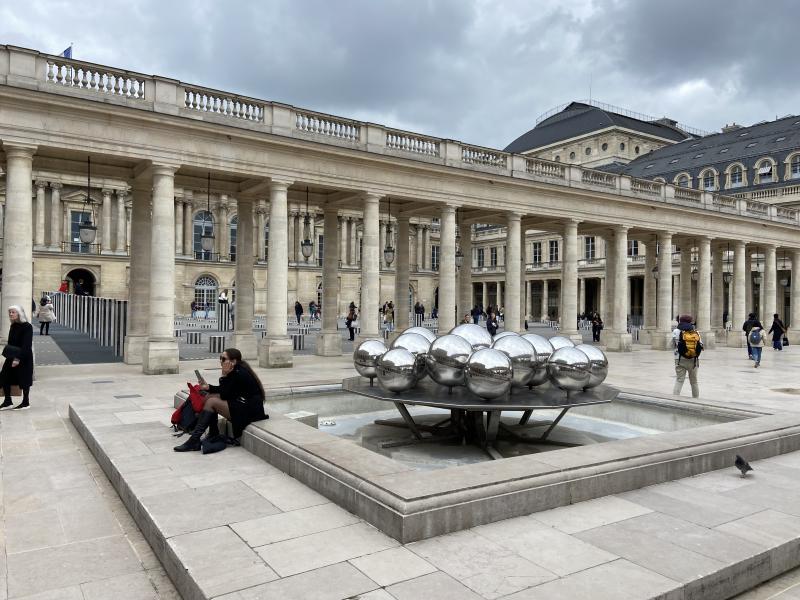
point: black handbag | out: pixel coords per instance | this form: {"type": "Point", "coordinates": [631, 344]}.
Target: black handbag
{"type": "Point", "coordinates": [12, 351]}
{"type": "Point", "coordinates": [785, 341]}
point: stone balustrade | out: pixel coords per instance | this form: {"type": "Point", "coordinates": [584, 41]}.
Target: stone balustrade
{"type": "Point", "coordinates": [29, 68]}
{"type": "Point", "coordinates": [790, 214]}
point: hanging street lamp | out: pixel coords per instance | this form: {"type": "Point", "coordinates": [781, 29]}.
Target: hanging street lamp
{"type": "Point", "coordinates": [307, 246]}
{"type": "Point", "coordinates": [207, 237]}
{"type": "Point", "coordinates": [87, 230]}
{"type": "Point", "coordinates": [388, 251]}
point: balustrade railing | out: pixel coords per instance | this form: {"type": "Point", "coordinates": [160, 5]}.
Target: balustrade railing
{"type": "Point", "coordinates": [724, 201]}
{"type": "Point", "coordinates": [648, 188]}
{"type": "Point", "coordinates": [209, 101]}
{"type": "Point", "coordinates": [102, 80]}
{"type": "Point", "coordinates": [328, 126]}
{"type": "Point", "coordinates": [682, 193]}
{"type": "Point", "coordinates": [473, 155]}
{"type": "Point", "coordinates": [415, 144]}
{"type": "Point", "coordinates": [786, 213]}
{"type": "Point", "coordinates": [598, 178]}
{"type": "Point", "coordinates": [757, 208]}
{"type": "Point", "coordinates": [545, 168]}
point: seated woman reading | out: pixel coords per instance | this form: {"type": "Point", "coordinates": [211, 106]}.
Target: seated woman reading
{"type": "Point", "coordinates": [239, 398]}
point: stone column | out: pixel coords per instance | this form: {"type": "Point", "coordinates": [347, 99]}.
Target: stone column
{"type": "Point", "coordinates": [370, 269]}
{"type": "Point", "coordinates": [243, 311]}
{"type": "Point", "coordinates": [608, 283]}
{"type": "Point", "coordinates": [18, 238]}
{"type": "Point", "coordinates": [769, 285]}
{"type": "Point", "coordinates": [739, 309]}
{"type": "Point", "coordinates": [179, 226]}
{"type": "Point", "coordinates": [275, 349]}
{"type": "Point", "coordinates": [105, 221]}
{"type": "Point", "coordinates": [685, 306]}
{"type": "Point", "coordinates": [545, 300]}
{"type": "Point", "coordinates": [188, 224]}
{"type": "Point", "coordinates": [717, 289]}
{"type": "Point", "coordinates": [426, 247]}
{"type": "Point", "coordinates": [569, 282]}
{"type": "Point", "coordinates": [662, 337]}
{"type": "Point", "coordinates": [465, 272]}
{"type": "Point", "coordinates": [122, 225]}
{"type": "Point", "coordinates": [343, 239]}
{"type": "Point", "coordinates": [619, 339]}
{"type": "Point", "coordinates": [160, 354]}
{"type": "Point", "coordinates": [513, 322]}
{"type": "Point", "coordinates": [581, 295]}
{"type": "Point", "coordinates": [704, 293]}
{"type": "Point", "coordinates": [748, 292]}
{"type": "Point", "coordinates": [382, 244]}
{"type": "Point", "coordinates": [650, 300]}
{"type": "Point", "coordinates": [794, 320]}
{"type": "Point", "coordinates": [261, 234]}
{"type": "Point", "coordinates": [401, 310]}
{"type": "Point", "coordinates": [56, 216]}
{"type": "Point", "coordinates": [419, 247]}
{"type": "Point", "coordinates": [224, 229]}
{"type": "Point", "coordinates": [38, 241]}
{"type": "Point", "coordinates": [485, 295]}
{"type": "Point", "coordinates": [447, 270]}
{"type": "Point", "coordinates": [329, 341]}
{"type": "Point", "coordinates": [294, 243]}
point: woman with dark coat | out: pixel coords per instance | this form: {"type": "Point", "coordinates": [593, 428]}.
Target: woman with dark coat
{"type": "Point", "coordinates": [239, 398]}
{"type": "Point", "coordinates": [778, 330]}
{"type": "Point", "coordinates": [18, 366]}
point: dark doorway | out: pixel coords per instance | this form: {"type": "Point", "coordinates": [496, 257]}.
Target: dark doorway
{"type": "Point", "coordinates": [81, 282]}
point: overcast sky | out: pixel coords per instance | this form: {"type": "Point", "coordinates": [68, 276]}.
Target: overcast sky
{"type": "Point", "coordinates": [479, 71]}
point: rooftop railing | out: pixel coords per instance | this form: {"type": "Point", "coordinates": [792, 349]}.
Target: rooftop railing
{"type": "Point", "coordinates": [30, 69]}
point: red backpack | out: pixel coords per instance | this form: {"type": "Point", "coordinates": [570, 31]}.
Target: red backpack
{"type": "Point", "coordinates": [185, 416]}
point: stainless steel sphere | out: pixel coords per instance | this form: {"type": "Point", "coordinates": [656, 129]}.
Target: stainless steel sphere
{"type": "Point", "coordinates": [503, 334]}
{"type": "Point", "coordinates": [488, 373]}
{"type": "Point", "coordinates": [543, 349]}
{"type": "Point", "coordinates": [423, 331]}
{"type": "Point", "coordinates": [366, 355]}
{"type": "Point", "coordinates": [446, 359]}
{"type": "Point", "coordinates": [477, 336]}
{"type": "Point", "coordinates": [568, 369]}
{"type": "Point", "coordinates": [598, 364]}
{"type": "Point", "coordinates": [522, 356]}
{"type": "Point", "coordinates": [397, 370]}
{"type": "Point", "coordinates": [417, 345]}
{"type": "Point", "coordinates": [559, 341]}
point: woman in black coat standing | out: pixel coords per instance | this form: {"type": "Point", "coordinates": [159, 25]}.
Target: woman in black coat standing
{"type": "Point", "coordinates": [18, 366]}
{"type": "Point", "coordinates": [239, 398]}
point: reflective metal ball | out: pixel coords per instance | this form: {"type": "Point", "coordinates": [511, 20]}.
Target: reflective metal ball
{"type": "Point", "coordinates": [560, 341]}
{"type": "Point", "coordinates": [397, 370]}
{"type": "Point", "coordinates": [477, 336]}
{"type": "Point", "coordinates": [446, 359]}
{"type": "Point", "coordinates": [543, 349]}
{"type": "Point", "coordinates": [417, 345]}
{"type": "Point", "coordinates": [503, 334]}
{"type": "Point", "coordinates": [366, 355]}
{"type": "Point", "coordinates": [568, 369]}
{"type": "Point", "coordinates": [598, 364]}
{"type": "Point", "coordinates": [423, 331]}
{"type": "Point", "coordinates": [522, 356]}
{"type": "Point", "coordinates": [488, 373]}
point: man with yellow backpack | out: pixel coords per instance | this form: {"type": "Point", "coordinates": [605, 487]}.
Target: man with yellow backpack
{"type": "Point", "coordinates": [688, 346]}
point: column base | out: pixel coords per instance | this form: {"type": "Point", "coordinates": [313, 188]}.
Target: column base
{"type": "Point", "coordinates": [645, 335]}
{"type": "Point", "coordinates": [133, 349]}
{"type": "Point", "coordinates": [392, 337]}
{"type": "Point", "coordinates": [709, 339]}
{"type": "Point", "coordinates": [736, 339]}
{"type": "Point", "coordinates": [246, 343]}
{"type": "Point", "coordinates": [329, 343]}
{"type": "Point", "coordinates": [572, 336]}
{"type": "Point", "coordinates": [661, 340]}
{"type": "Point", "coordinates": [160, 357]}
{"type": "Point", "coordinates": [363, 337]}
{"type": "Point", "coordinates": [618, 342]}
{"type": "Point", "coordinates": [275, 353]}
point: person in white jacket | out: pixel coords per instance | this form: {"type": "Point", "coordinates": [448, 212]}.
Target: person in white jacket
{"type": "Point", "coordinates": [46, 315]}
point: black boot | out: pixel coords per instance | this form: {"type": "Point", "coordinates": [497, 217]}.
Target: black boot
{"type": "Point", "coordinates": [193, 443]}
{"type": "Point", "coordinates": [213, 427]}
{"type": "Point", "coordinates": [6, 403]}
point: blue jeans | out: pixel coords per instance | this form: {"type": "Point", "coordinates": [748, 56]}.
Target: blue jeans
{"type": "Point", "coordinates": [757, 353]}
{"type": "Point", "coordinates": [777, 344]}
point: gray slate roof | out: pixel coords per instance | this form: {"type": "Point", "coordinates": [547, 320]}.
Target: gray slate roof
{"type": "Point", "coordinates": [746, 145]}
{"type": "Point", "coordinates": [580, 119]}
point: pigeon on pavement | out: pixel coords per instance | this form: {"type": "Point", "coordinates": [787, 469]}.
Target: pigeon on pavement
{"type": "Point", "coordinates": [742, 465]}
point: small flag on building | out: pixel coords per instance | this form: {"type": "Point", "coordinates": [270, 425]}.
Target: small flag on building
{"type": "Point", "coordinates": [67, 53]}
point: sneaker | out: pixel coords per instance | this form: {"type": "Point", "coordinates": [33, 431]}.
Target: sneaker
{"type": "Point", "coordinates": [22, 406]}
{"type": "Point", "coordinates": [6, 403]}
{"type": "Point", "coordinates": [756, 365]}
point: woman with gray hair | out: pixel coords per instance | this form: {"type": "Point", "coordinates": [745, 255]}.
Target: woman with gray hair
{"type": "Point", "coordinates": [18, 352]}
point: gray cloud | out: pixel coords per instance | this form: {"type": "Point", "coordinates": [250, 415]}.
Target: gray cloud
{"type": "Point", "coordinates": [475, 70]}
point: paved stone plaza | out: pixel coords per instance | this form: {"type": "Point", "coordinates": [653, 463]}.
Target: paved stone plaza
{"type": "Point", "coordinates": [279, 539]}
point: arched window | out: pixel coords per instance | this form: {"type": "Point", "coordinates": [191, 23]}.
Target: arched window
{"type": "Point", "coordinates": [234, 225]}
{"type": "Point", "coordinates": [795, 167]}
{"type": "Point", "coordinates": [205, 293]}
{"type": "Point", "coordinates": [572, 156]}
{"type": "Point", "coordinates": [203, 223]}
{"type": "Point", "coordinates": [764, 171]}
{"type": "Point", "coordinates": [709, 180]}
{"type": "Point", "coordinates": [736, 177]}
{"type": "Point", "coordinates": [683, 181]}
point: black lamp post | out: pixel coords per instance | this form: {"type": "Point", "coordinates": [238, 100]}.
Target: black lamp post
{"type": "Point", "coordinates": [307, 246]}
{"type": "Point", "coordinates": [459, 253]}
{"type": "Point", "coordinates": [388, 251]}
{"type": "Point", "coordinates": [207, 237]}
{"type": "Point", "coordinates": [87, 230]}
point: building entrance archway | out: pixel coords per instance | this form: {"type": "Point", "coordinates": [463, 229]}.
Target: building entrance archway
{"type": "Point", "coordinates": [81, 282]}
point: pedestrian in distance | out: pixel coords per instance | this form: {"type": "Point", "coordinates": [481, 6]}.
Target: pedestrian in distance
{"type": "Point", "coordinates": [18, 365]}
{"type": "Point", "coordinates": [597, 327]}
{"type": "Point", "coordinates": [687, 346]}
{"type": "Point", "coordinates": [756, 338]}
{"type": "Point", "coordinates": [492, 324]}
{"type": "Point", "coordinates": [193, 308]}
{"type": "Point", "coordinates": [298, 311]}
{"type": "Point", "coordinates": [388, 315]}
{"type": "Point", "coordinates": [778, 330]}
{"type": "Point", "coordinates": [476, 314]}
{"type": "Point", "coordinates": [46, 315]}
{"type": "Point", "coordinates": [746, 327]}
{"type": "Point", "coordinates": [349, 321]}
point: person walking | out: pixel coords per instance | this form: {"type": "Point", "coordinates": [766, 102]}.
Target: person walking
{"type": "Point", "coordinates": [597, 327]}
{"type": "Point", "coordinates": [298, 311]}
{"type": "Point", "coordinates": [687, 346]}
{"type": "Point", "coordinates": [476, 314]}
{"type": "Point", "coordinates": [492, 324]}
{"type": "Point", "coordinates": [46, 315]}
{"type": "Point", "coordinates": [746, 327]}
{"type": "Point", "coordinates": [18, 367]}
{"type": "Point", "coordinates": [778, 330]}
{"type": "Point", "coordinates": [388, 315]}
{"type": "Point", "coordinates": [193, 308]}
{"type": "Point", "coordinates": [352, 315]}
{"type": "Point", "coordinates": [312, 310]}
{"type": "Point", "coordinates": [756, 339]}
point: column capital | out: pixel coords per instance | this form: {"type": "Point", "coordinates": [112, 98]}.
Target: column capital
{"type": "Point", "coordinates": [513, 215]}
{"type": "Point", "coordinates": [41, 184]}
{"type": "Point", "coordinates": [164, 169]}
{"type": "Point", "coordinates": [188, 196]}
{"type": "Point", "coordinates": [279, 185]}
{"type": "Point", "coordinates": [620, 229]}
{"type": "Point", "coordinates": [56, 185]}
{"type": "Point", "coordinates": [13, 150]}
{"type": "Point", "coordinates": [106, 192]}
